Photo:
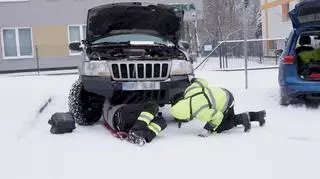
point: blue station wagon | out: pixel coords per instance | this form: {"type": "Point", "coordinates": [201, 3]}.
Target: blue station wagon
{"type": "Point", "coordinates": [299, 70]}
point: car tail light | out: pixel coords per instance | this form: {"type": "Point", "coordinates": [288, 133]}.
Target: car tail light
{"type": "Point", "coordinates": [289, 60]}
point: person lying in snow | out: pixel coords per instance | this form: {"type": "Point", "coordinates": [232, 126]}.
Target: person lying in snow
{"type": "Point", "coordinates": [212, 105]}
{"type": "Point", "coordinates": [138, 123]}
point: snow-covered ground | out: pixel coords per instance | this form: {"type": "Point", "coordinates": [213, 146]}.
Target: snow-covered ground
{"type": "Point", "coordinates": [286, 148]}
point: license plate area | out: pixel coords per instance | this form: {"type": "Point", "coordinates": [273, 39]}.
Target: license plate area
{"type": "Point", "coordinates": [136, 86]}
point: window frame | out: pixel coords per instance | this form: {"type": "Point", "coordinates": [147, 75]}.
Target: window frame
{"type": "Point", "coordinates": [81, 26]}
{"type": "Point", "coordinates": [3, 1]}
{"type": "Point", "coordinates": [285, 8]}
{"type": "Point", "coordinates": [16, 31]}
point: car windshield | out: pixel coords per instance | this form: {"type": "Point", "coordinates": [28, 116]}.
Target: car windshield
{"type": "Point", "coordinates": [131, 37]}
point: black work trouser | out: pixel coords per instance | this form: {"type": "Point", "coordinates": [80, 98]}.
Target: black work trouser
{"type": "Point", "coordinates": [228, 122]}
{"type": "Point", "coordinates": [229, 117]}
{"type": "Point", "coordinates": [128, 119]}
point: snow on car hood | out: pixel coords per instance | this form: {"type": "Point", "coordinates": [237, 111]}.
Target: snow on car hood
{"type": "Point", "coordinates": [125, 17]}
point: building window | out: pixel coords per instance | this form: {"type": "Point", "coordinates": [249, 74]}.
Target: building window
{"type": "Point", "coordinates": [285, 11]}
{"type": "Point", "coordinates": [76, 34]}
{"type": "Point", "coordinates": [17, 43]}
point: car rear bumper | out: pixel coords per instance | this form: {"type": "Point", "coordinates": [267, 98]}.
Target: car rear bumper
{"type": "Point", "coordinates": [113, 90]}
{"type": "Point", "coordinates": [309, 89]}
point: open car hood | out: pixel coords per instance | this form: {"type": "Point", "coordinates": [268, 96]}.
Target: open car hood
{"type": "Point", "coordinates": [306, 14]}
{"type": "Point", "coordinates": [162, 19]}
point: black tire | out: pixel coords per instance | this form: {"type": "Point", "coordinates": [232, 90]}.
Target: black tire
{"type": "Point", "coordinates": [85, 107]}
{"type": "Point", "coordinates": [312, 104]}
{"type": "Point", "coordinates": [284, 101]}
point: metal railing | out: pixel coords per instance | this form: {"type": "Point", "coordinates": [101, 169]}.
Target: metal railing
{"type": "Point", "coordinates": [243, 55]}
{"type": "Point", "coordinates": [229, 55]}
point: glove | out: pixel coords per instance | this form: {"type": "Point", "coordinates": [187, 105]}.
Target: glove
{"type": "Point", "coordinates": [205, 133]}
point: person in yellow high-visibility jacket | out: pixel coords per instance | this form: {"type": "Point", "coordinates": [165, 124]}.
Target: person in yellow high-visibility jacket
{"type": "Point", "coordinates": [215, 107]}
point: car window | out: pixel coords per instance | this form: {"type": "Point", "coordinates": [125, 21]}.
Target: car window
{"type": "Point", "coordinates": [130, 37]}
{"type": "Point", "coordinates": [289, 38]}
{"type": "Point", "coordinates": [309, 39]}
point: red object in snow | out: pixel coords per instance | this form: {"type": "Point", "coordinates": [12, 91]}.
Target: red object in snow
{"type": "Point", "coordinates": [315, 76]}
{"type": "Point", "coordinates": [121, 135]}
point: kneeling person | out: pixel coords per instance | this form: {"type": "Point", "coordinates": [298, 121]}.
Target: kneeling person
{"type": "Point", "coordinates": [138, 123]}
{"type": "Point", "coordinates": [215, 106]}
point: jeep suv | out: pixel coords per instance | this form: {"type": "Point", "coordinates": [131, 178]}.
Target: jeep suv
{"type": "Point", "coordinates": [299, 71]}
{"type": "Point", "coordinates": [132, 54]}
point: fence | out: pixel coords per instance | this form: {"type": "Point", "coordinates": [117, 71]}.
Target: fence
{"type": "Point", "coordinates": [229, 55]}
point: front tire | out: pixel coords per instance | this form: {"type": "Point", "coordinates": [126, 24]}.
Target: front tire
{"type": "Point", "coordinates": [85, 107]}
{"type": "Point", "coordinates": [284, 101]}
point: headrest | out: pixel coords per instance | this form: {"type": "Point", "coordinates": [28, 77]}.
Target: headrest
{"type": "Point", "coordinates": [305, 40]}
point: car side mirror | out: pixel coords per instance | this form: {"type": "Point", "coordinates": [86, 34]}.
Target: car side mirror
{"type": "Point", "coordinates": [278, 52]}
{"type": "Point", "coordinates": [75, 46]}
{"type": "Point", "coordinates": [185, 45]}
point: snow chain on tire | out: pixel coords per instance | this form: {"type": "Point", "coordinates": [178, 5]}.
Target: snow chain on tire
{"type": "Point", "coordinates": [85, 107]}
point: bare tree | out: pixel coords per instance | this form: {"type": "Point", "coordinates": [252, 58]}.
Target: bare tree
{"type": "Point", "coordinates": [223, 20]}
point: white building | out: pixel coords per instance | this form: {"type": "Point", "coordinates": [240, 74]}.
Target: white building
{"type": "Point", "coordinates": [38, 31]}
{"type": "Point", "coordinates": [275, 19]}
{"type": "Point", "coordinates": [276, 22]}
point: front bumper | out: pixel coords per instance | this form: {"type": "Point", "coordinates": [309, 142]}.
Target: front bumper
{"type": "Point", "coordinates": [112, 90]}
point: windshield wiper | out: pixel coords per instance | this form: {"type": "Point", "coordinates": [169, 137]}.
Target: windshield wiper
{"type": "Point", "coordinates": [111, 43]}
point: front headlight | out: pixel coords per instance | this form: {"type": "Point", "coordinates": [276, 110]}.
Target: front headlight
{"type": "Point", "coordinates": [96, 68]}
{"type": "Point", "coordinates": [181, 67]}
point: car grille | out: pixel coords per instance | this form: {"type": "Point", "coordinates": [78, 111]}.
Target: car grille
{"type": "Point", "coordinates": [140, 71]}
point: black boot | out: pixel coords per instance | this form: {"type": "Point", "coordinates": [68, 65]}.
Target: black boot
{"type": "Point", "coordinates": [244, 119]}
{"type": "Point", "coordinates": [258, 116]}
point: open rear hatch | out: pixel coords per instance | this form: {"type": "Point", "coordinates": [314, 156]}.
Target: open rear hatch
{"type": "Point", "coordinates": [306, 14]}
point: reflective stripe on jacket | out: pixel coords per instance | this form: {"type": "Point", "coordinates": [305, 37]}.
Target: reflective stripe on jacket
{"type": "Point", "coordinates": [207, 103]}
